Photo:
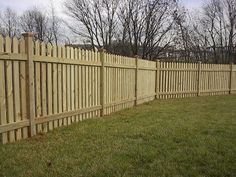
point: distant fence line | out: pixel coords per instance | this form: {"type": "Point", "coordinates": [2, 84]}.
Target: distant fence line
{"type": "Point", "coordinates": [44, 86]}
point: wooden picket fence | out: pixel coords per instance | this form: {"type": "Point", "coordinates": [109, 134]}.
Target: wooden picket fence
{"type": "Point", "coordinates": [44, 86]}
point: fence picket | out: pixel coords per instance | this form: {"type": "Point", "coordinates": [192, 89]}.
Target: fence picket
{"type": "Point", "coordinates": [70, 84]}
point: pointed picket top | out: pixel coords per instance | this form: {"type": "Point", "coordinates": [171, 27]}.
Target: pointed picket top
{"type": "Point", "coordinates": [95, 56]}
{"type": "Point", "coordinates": [89, 55]}
{"type": "Point", "coordinates": [37, 48]}
{"type": "Point", "coordinates": [79, 54]}
{"type": "Point", "coordinates": [68, 52]}
{"type": "Point", "coordinates": [71, 53]}
{"type": "Point", "coordinates": [117, 59]}
{"type": "Point", "coordinates": [54, 50]}
{"type": "Point", "coordinates": [122, 60]}
{"type": "Point", "coordinates": [109, 58]}
{"type": "Point", "coordinates": [92, 56]}
{"type": "Point", "coordinates": [82, 54]}
{"type": "Point", "coordinates": [63, 50]}
{"type": "Point", "coordinates": [8, 44]}
{"type": "Point", "coordinates": [59, 50]}
{"type": "Point", "coordinates": [43, 49]}
{"type": "Point", "coordinates": [105, 57]}
{"type": "Point", "coordinates": [76, 53]}
{"type": "Point", "coordinates": [49, 50]}
{"type": "Point", "coordinates": [1, 44]}
{"type": "Point", "coordinates": [15, 45]}
{"type": "Point", "coordinates": [113, 59]}
{"type": "Point", "coordinates": [98, 57]}
{"type": "Point", "coordinates": [22, 45]}
{"type": "Point", "coordinates": [86, 55]}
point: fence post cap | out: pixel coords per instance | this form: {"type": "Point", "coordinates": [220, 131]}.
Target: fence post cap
{"type": "Point", "coordinates": [28, 34]}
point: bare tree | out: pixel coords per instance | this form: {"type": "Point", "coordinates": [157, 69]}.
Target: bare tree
{"type": "Point", "coordinates": [219, 20]}
{"type": "Point", "coordinates": [183, 31]}
{"type": "Point", "coordinates": [36, 21]}
{"type": "Point", "coordinates": [9, 23]}
{"type": "Point", "coordinates": [230, 6]}
{"type": "Point", "coordinates": [44, 25]}
{"type": "Point", "coordinates": [94, 20]}
{"type": "Point", "coordinates": [148, 25]}
{"type": "Point", "coordinates": [54, 24]}
{"type": "Point", "coordinates": [210, 22]}
{"type": "Point", "coordinates": [210, 36]}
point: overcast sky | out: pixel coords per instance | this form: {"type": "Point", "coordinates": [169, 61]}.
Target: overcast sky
{"type": "Point", "coordinates": [192, 3]}
{"type": "Point", "coordinates": [21, 5]}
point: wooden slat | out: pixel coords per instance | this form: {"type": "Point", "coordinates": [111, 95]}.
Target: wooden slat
{"type": "Point", "coordinates": [60, 101]}
{"type": "Point", "coordinates": [14, 126]}
{"type": "Point", "coordinates": [13, 56]}
{"type": "Point", "coordinates": [72, 90]}
{"type": "Point", "coordinates": [9, 90]}
{"type": "Point", "coordinates": [179, 92]}
{"type": "Point", "coordinates": [38, 85]}
{"type": "Point", "coordinates": [44, 88]}
{"type": "Point", "coordinates": [3, 104]}
{"type": "Point", "coordinates": [90, 83]}
{"type": "Point", "coordinates": [83, 83]}
{"type": "Point", "coordinates": [28, 37]}
{"type": "Point", "coordinates": [49, 93]}
{"type": "Point", "coordinates": [231, 78]}
{"type": "Point", "coordinates": [1, 44]}
{"type": "Point", "coordinates": [73, 84]}
{"type": "Point", "coordinates": [47, 59]}
{"type": "Point", "coordinates": [102, 80]}
{"type": "Point", "coordinates": [68, 91]}
{"type": "Point", "coordinates": [16, 83]}
{"type": "Point", "coordinates": [38, 94]}
{"type": "Point", "coordinates": [65, 114]}
{"type": "Point", "coordinates": [23, 91]}
{"type": "Point", "coordinates": [68, 83]}
{"type": "Point", "coordinates": [55, 90]}
{"type": "Point", "coordinates": [136, 80]}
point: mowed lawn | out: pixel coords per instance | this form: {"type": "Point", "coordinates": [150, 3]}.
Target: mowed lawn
{"type": "Point", "coordinates": [193, 137]}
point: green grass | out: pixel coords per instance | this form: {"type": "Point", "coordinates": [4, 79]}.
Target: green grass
{"type": "Point", "coordinates": [188, 137]}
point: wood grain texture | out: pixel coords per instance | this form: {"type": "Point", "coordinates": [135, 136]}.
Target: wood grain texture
{"type": "Point", "coordinates": [44, 86]}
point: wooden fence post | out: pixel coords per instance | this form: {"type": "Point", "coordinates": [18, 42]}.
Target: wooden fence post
{"type": "Point", "coordinates": [231, 79]}
{"type": "Point", "coordinates": [199, 79]}
{"type": "Point", "coordinates": [157, 78]}
{"type": "Point", "coordinates": [28, 37]}
{"type": "Point", "coordinates": [136, 81]}
{"type": "Point", "coordinates": [102, 81]}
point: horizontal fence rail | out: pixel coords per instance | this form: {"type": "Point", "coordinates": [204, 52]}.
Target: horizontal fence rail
{"type": "Point", "coordinates": [44, 86]}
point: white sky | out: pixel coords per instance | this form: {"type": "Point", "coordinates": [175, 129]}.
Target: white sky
{"type": "Point", "coordinates": [21, 5]}
{"type": "Point", "coordinates": [192, 3]}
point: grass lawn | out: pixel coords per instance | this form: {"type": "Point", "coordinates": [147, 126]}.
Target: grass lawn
{"type": "Point", "coordinates": [193, 137]}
